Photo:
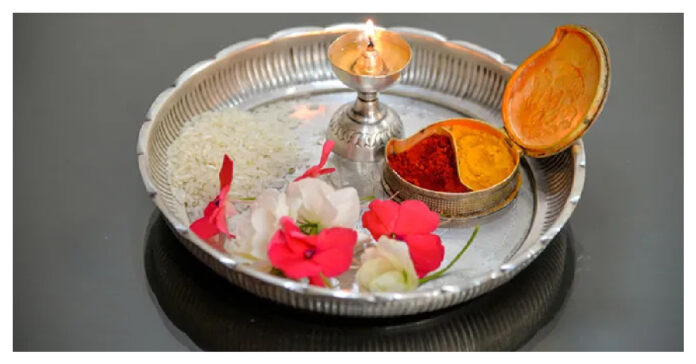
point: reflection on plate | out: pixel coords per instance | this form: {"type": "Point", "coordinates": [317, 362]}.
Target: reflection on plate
{"type": "Point", "coordinates": [216, 315]}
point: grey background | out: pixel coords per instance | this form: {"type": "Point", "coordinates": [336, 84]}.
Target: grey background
{"type": "Point", "coordinates": [82, 84]}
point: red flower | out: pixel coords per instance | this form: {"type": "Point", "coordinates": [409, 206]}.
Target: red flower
{"type": "Point", "coordinates": [214, 220]}
{"type": "Point", "coordinates": [299, 255]}
{"type": "Point", "coordinates": [316, 171]}
{"type": "Point", "coordinates": [411, 222]}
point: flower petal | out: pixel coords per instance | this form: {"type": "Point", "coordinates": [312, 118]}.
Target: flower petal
{"type": "Point", "coordinates": [255, 229]}
{"type": "Point", "coordinates": [315, 206]}
{"type": "Point", "coordinates": [273, 201]}
{"type": "Point", "coordinates": [262, 226]}
{"type": "Point", "coordinates": [426, 252]}
{"type": "Point", "coordinates": [221, 222]}
{"type": "Point", "coordinates": [210, 208]}
{"type": "Point", "coordinates": [226, 172]}
{"type": "Point", "coordinates": [325, 151]}
{"type": "Point", "coordinates": [415, 218]}
{"type": "Point", "coordinates": [293, 264]}
{"type": "Point", "coordinates": [372, 268]}
{"type": "Point", "coordinates": [295, 239]}
{"type": "Point", "coordinates": [220, 213]}
{"type": "Point", "coordinates": [326, 171]}
{"type": "Point", "coordinates": [317, 170]}
{"type": "Point", "coordinates": [387, 266]}
{"type": "Point", "coordinates": [391, 281]}
{"type": "Point", "coordinates": [347, 204]}
{"type": "Point", "coordinates": [316, 281]}
{"type": "Point", "coordinates": [310, 173]}
{"type": "Point", "coordinates": [381, 217]}
{"type": "Point", "coordinates": [335, 250]}
{"type": "Point", "coordinates": [299, 268]}
{"type": "Point", "coordinates": [204, 228]}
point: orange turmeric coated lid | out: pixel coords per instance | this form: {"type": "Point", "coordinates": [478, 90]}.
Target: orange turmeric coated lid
{"type": "Point", "coordinates": [554, 96]}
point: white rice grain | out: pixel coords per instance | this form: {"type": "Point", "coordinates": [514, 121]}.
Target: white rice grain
{"type": "Point", "coordinates": [264, 152]}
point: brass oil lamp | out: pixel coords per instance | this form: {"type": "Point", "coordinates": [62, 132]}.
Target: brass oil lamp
{"type": "Point", "coordinates": [369, 62]}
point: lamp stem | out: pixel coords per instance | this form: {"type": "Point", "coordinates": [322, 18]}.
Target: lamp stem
{"type": "Point", "coordinates": [367, 109]}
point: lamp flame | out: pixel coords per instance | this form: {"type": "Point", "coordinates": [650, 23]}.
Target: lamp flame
{"type": "Point", "coordinates": [370, 31]}
{"type": "Point", "coordinates": [369, 28]}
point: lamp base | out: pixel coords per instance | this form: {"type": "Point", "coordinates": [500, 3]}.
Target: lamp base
{"type": "Point", "coordinates": [362, 129]}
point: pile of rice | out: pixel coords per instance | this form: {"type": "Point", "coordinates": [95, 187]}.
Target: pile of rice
{"type": "Point", "coordinates": [264, 152]}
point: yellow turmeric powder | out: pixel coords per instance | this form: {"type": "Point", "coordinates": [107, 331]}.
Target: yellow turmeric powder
{"type": "Point", "coordinates": [484, 159]}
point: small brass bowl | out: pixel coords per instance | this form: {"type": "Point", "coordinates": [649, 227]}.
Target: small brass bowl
{"type": "Point", "coordinates": [549, 102]}
{"type": "Point", "coordinates": [394, 52]}
{"type": "Point", "coordinates": [450, 204]}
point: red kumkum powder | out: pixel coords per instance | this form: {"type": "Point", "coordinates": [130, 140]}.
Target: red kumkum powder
{"type": "Point", "coordinates": [429, 164]}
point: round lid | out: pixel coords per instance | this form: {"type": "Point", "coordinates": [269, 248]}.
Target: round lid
{"type": "Point", "coordinates": [554, 96]}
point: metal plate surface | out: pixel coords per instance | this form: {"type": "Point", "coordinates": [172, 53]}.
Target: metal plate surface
{"type": "Point", "coordinates": [444, 80]}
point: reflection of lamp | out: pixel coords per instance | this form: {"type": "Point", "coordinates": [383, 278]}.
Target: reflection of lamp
{"type": "Point", "coordinates": [367, 61]}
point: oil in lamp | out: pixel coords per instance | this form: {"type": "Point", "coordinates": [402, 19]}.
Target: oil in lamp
{"type": "Point", "coordinates": [367, 61]}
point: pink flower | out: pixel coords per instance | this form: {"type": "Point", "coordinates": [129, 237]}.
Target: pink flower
{"type": "Point", "coordinates": [316, 171]}
{"type": "Point", "coordinates": [298, 255]}
{"type": "Point", "coordinates": [411, 222]}
{"type": "Point", "coordinates": [214, 220]}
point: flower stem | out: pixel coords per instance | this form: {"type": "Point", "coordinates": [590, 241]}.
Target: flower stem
{"type": "Point", "coordinates": [325, 280]}
{"type": "Point", "coordinates": [442, 271]}
{"type": "Point", "coordinates": [277, 272]}
{"type": "Point", "coordinates": [394, 195]}
{"type": "Point", "coordinates": [367, 198]}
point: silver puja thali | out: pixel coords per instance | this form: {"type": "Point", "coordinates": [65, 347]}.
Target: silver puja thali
{"type": "Point", "coordinates": [290, 71]}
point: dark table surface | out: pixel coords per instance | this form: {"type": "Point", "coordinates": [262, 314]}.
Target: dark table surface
{"type": "Point", "coordinates": [95, 267]}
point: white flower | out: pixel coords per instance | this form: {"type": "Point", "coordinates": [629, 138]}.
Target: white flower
{"type": "Point", "coordinates": [387, 267]}
{"type": "Point", "coordinates": [306, 201]}
{"type": "Point", "coordinates": [314, 201]}
{"type": "Point", "coordinates": [256, 228]}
